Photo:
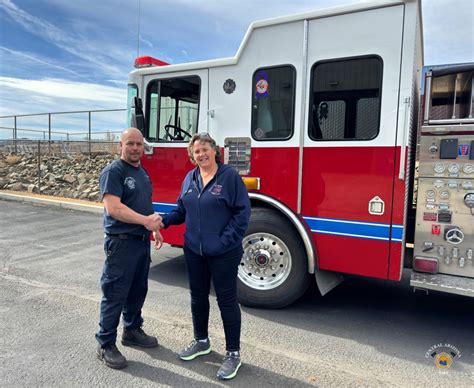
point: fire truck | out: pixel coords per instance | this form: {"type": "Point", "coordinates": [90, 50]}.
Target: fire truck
{"type": "Point", "coordinates": [319, 113]}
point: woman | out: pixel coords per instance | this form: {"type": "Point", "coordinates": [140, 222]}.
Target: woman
{"type": "Point", "coordinates": [215, 206]}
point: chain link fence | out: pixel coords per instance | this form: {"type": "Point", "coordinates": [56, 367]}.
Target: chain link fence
{"type": "Point", "coordinates": [90, 125]}
{"type": "Point", "coordinates": [58, 147]}
{"type": "Point", "coordinates": [59, 153]}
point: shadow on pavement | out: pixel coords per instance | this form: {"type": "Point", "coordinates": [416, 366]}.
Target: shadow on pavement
{"type": "Point", "coordinates": [387, 315]}
{"type": "Point", "coordinates": [206, 366]}
{"type": "Point", "coordinates": [170, 271]}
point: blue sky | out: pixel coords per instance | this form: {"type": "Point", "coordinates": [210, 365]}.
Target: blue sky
{"type": "Point", "coordinates": [61, 55]}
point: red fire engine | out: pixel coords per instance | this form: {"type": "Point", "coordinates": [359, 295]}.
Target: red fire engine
{"type": "Point", "coordinates": [319, 114]}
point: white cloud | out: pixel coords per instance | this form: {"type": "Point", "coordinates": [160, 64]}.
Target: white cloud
{"type": "Point", "coordinates": [34, 58]}
{"type": "Point", "coordinates": [147, 42]}
{"type": "Point", "coordinates": [60, 88]}
{"type": "Point", "coordinates": [24, 96]}
{"type": "Point", "coordinates": [448, 31]}
{"type": "Point", "coordinates": [246, 11]}
{"type": "Point", "coordinates": [98, 41]}
{"type": "Point", "coordinates": [83, 48]}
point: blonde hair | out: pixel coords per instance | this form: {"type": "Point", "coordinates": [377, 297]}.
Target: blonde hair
{"type": "Point", "coordinates": [203, 138]}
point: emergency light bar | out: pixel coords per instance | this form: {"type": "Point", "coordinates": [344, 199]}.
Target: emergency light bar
{"type": "Point", "coordinates": [147, 61]}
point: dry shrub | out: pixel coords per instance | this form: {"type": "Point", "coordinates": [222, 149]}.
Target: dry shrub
{"type": "Point", "coordinates": [13, 159]}
{"type": "Point", "coordinates": [115, 149]}
{"type": "Point", "coordinates": [80, 158]}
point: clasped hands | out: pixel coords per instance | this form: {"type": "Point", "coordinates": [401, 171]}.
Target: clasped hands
{"type": "Point", "coordinates": [153, 223]}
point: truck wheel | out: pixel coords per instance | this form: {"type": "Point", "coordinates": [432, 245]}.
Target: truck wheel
{"type": "Point", "coordinates": [273, 271]}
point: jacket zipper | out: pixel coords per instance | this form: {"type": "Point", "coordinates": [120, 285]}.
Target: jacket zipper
{"type": "Point", "coordinates": [199, 207]}
{"type": "Point", "coordinates": [199, 215]}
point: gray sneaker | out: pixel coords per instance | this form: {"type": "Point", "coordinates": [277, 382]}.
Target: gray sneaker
{"type": "Point", "coordinates": [195, 349]}
{"type": "Point", "coordinates": [230, 366]}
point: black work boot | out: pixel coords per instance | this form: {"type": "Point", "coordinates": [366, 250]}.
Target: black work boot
{"type": "Point", "coordinates": [111, 356]}
{"type": "Point", "coordinates": [137, 337]}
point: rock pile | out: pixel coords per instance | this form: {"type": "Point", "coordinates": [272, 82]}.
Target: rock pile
{"type": "Point", "coordinates": [61, 175]}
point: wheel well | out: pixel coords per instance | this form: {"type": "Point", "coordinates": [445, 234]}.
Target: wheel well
{"type": "Point", "coordinates": [295, 222]}
{"type": "Point", "coordinates": [259, 203]}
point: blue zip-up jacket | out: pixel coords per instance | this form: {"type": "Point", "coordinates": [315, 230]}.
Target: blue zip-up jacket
{"type": "Point", "coordinates": [217, 217]}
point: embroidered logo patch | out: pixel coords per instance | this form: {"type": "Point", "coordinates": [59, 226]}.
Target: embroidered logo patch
{"type": "Point", "coordinates": [216, 190]}
{"type": "Point", "coordinates": [130, 183]}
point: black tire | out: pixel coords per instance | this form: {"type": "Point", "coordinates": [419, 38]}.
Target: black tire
{"type": "Point", "coordinates": [274, 268]}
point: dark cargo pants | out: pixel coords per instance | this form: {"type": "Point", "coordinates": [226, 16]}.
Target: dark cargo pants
{"type": "Point", "coordinates": [124, 284]}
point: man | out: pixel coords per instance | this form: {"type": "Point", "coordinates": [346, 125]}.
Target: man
{"type": "Point", "coordinates": [128, 219]}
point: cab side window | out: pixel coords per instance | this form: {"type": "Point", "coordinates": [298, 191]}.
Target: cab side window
{"type": "Point", "coordinates": [173, 109]}
{"type": "Point", "coordinates": [132, 91]}
{"type": "Point", "coordinates": [273, 103]}
{"type": "Point", "coordinates": [345, 99]}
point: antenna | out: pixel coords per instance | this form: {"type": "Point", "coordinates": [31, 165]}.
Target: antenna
{"type": "Point", "coordinates": [138, 31]}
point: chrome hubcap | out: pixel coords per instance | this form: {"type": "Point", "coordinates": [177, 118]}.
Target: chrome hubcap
{"type": "Point", "coordinates": [266, 262]}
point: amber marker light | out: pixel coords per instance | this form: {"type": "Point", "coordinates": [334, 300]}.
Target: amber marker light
{"type": "Point", "coordinates": [251, 183]}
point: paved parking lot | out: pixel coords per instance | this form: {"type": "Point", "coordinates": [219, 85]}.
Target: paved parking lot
{"type": "Point", "coordinates": [366, 332]}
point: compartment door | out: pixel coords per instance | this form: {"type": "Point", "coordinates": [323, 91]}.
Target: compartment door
{"type": "Point", "coordinates": [350, 146]}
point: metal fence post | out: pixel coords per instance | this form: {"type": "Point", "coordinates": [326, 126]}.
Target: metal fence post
{"type": "Point", "coordinates": [89, 136]}
{"type": "Point", "coordinates": [39, 166]}
{"type": "Point", "coordinates": [49, 132]}
{"type": "Point", "coordinates": [14, 134]}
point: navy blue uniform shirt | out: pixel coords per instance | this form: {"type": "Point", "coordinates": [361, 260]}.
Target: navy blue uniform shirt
{"type": "Point", "coordinates": [133, 186]}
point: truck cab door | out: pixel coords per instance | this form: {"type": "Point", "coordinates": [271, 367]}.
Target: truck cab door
{"type": "Point", "coordinates": [176, 106]}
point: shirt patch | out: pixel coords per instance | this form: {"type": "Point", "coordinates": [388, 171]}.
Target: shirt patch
{"type": "Point", "coordinates": [130, 183]}
{"type": "Point", "coordinates": [216, 190]}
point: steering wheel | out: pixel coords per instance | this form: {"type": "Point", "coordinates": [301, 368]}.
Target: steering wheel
{"type": "Point", "coordinates": [179, 132]}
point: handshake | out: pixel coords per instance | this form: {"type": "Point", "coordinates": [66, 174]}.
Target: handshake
{"type": "Point", "coordinates": [153, 223]}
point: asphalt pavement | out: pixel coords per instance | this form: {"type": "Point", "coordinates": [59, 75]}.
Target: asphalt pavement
{"type": "Point", "coordinates": [366, 332]}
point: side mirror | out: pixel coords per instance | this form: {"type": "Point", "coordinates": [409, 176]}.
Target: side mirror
{"type": "Point", "coordinates": [138, 118]}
